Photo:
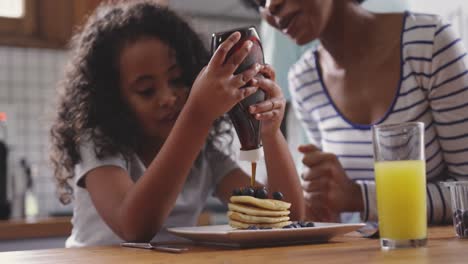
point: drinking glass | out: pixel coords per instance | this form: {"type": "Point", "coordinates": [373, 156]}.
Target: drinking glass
{"type": "Point", "coordinates": [400, 178]}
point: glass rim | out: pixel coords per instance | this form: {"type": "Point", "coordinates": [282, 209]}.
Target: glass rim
{"type": "Point", "coordinates": [455, 183]}
{"type": "Point", "coordinates": [397, 125]}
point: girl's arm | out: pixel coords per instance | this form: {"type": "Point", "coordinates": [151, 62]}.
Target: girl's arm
{"type": "Point", "coordinates": [137, 211]}
{"type": "Point", "coordinates": [282, 174]}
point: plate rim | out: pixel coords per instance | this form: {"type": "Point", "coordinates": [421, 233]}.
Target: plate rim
{"type": "Point", "coordinates": [176, 230]}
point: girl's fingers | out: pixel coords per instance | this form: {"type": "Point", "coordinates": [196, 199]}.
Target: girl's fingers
{"type": "Point", "coordinates": [241, 79]}
{"type": "Point", "coordinates": [267, 106]}
{"type": "Point", "coordinates": [270, 87]}
{"type": "Point", "coordinates": [244, 92]}
{"type": "Point", "coordinates": [237, 57]}
{"type": "Point", "coordinates": [221, 53]}
{"type": "Point", "coordinates": [268, 72]}
{"type": "Point", "coordinates": [268, 115]}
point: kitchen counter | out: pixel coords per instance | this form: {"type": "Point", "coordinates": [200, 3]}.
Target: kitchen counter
{"type": "Point", "coordinates": [443, 247]}
{"type": "Point", "coordinates": [35, 228]}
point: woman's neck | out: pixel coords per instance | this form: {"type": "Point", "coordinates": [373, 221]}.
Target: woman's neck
{"type": "Point", "coordinates": [347, 37]}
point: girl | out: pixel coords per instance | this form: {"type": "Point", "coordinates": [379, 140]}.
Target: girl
{"type": "Point", "coordinates": [138, 136]}
{"type": "Point", "coordinates": [373, 69]}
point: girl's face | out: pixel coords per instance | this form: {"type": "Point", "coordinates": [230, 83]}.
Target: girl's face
{"type": "Point", "coordinates": [151, 85]}
{"type": "Point", "coordinates": [302, 20]}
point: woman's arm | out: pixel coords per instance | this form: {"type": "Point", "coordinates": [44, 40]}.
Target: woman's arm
{"type": "Point", "coordinates": [448, 97]}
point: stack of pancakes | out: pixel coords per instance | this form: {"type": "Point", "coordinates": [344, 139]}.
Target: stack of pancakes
{"type": "Point", "coordinates": [247, 211]}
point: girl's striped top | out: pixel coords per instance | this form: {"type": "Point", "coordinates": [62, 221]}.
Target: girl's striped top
{"type": "Point", "coordinates": [433, 89]}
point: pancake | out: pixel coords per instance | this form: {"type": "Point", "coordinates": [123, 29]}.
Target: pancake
{"type": "Point", "coordinates": [240, 225]}
{"type": "Point", "coordinates": [250, 210]}
{"type": "Point", "coordinates": [240, 217]}
{"type": "Point", "coordinates": [270, 204]}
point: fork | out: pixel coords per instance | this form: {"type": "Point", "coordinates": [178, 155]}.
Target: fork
{"type": "Point", "coordinates": [163, 248]}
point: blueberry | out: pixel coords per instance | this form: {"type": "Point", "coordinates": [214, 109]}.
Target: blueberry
{"type": "Point", "coordinates": [261, 193]}
{"type": "Point", "coordinates": [236, 192]}
{"type": "Point", "coordinates": [310, 224]}
{"type": "Point", "coordinates": [458, 214]}
{"type": "Point", "coordinates": [297, 225]}
{"type": "Point", "coordinates": [249, 191]}
{"type": "Point", "coordinates": [288, 226]}
{"type": "Point", "coordinates": [277, 196]}
{"type": "Point", "coordinates": [252, 227]}
{"type": "Point", "coordinates": [301, 223]}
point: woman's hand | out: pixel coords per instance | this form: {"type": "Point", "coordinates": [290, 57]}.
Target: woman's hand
{"type": "Point", "coordinates": [216, 89]}
{"type": "Point", "coordinates": [327, 189]}
{"type": "Point", "coordinates": [270, 111]}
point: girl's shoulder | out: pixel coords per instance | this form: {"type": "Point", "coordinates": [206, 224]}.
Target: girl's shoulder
{"type": "Point", "coordinates": [91, 158]}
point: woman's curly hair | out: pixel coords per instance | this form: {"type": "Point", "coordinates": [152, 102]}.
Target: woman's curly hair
{"type": "Point", "coordinates": [90, 105]}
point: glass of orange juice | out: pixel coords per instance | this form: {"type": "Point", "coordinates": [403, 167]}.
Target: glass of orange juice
{"type": "Point", "coordinates": [400, 178]}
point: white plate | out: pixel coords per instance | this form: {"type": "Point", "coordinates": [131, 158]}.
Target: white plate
{"type": "Point", "coordinates": [226, 235]}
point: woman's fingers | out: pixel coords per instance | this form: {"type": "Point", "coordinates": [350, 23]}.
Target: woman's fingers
{"type": "Point", "coordinates": [318, 185]}
{"type": "Point", "coordinates": [219, 57]}
{"type": "Point", "coordinates": [318, 158]}
{"type": "Point", "coordinates": [322, 170]}
{"type": "Point", "coordinates": [307, 148]}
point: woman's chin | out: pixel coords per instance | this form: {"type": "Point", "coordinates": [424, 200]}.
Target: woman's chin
{"type": "Point", "coordinates": [303, 39]}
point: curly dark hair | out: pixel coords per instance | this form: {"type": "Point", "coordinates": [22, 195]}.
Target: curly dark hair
{"type": "Point", "coordinates": [90, 105]}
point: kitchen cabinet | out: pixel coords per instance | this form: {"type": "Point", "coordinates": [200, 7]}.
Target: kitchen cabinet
{"type": "Point", "coordinates": [27, 234]}
{"type": "Point", "coordinates": [45, 23]}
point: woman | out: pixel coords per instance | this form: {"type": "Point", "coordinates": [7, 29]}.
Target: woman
{"type": "Point", "coordinates": [372, 69]}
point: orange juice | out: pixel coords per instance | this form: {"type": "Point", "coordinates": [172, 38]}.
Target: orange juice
{"type": "Point", "coordinates": [401, 199]}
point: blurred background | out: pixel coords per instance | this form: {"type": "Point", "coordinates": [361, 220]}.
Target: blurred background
{"type": "Point", "coordinates": [33, 50]}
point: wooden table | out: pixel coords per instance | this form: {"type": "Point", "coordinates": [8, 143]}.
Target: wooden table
{"type": "Point", "coordinates": [443, 247]}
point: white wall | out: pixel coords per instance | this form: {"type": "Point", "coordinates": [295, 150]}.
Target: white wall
{"type": "Point", "coordinates": [437, 6]}
{"type": "Point", "coordinates": [387, 5]}
{"type": "Point", "coordinates": [454, 11]}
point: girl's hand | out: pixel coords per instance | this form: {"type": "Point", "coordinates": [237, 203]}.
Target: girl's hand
{"type": "Point", "coordinates": [327, 189]}
{"type": "Point", "coordinates": [216, 89]}
{"type": "Point", "coordinates": [270, 111]}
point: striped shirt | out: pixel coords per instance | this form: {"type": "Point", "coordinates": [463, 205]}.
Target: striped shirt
{"type": "Point", "coordinates": [433, 89]}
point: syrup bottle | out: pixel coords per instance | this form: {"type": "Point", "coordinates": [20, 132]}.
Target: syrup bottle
{"type": "Point", "coordinates": [247, 127]}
